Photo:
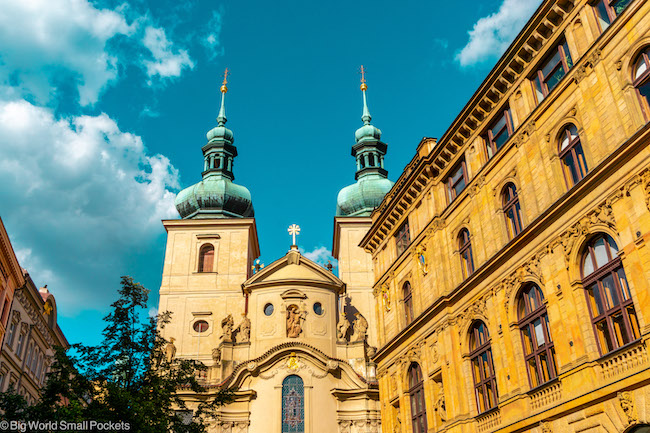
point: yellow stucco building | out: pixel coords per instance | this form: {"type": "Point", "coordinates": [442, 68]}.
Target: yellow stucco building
{"type": "Point", "coordinates": [511, 271]}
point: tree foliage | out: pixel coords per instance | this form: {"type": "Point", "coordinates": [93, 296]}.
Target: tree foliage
{"type": "Point", "coordinates": [127, 378]}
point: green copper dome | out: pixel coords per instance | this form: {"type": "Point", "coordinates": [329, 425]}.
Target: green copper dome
{"type": "Point", "coordinates": [362, 197]}
{"type": "Point", "coordinates": [216, 196]}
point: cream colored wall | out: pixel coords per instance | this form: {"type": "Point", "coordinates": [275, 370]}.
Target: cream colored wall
{"type": "Point", "coordinates": [355, 269]}
{"type": "Point", "coordinates": [211, 296]}
{"type": "Point", "coordinates": [320, 404]}
{"type": "Point", "coordinates": [269, 331]}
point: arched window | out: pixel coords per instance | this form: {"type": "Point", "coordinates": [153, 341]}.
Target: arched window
{"type": "Point", "coordinates": [206, 258]}
{"type": "Point", "coordinates": [608, 294]}
{"type": "Point", "coordinates": [512, 210]}
{"type": "Point", "coordinates": [293, 405]}
{"type": "Point", "coordinates": [408, 302]}
{"type": "Point", "coordinates": [536, 336]}
{"type": "Point", "coordinates": [466, 259]}
{"type": "Point", "coordinates": [485, 384]}
{"type": "Point", "coordinates": [641, 75]}
{"type": "Point", "coordinates": [573, 158]}
{"type": "Point", "coordinates": [416, 392]}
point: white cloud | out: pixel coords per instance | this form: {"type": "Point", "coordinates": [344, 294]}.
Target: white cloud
{"type": "Point", "coordinates": [492, 34]}
{"type": "Point", "coordinates": [166, 62]}
{"type": "Point", "coordinates": [47, 46]}
{"type": "Point", "coordinates": [40, 39]}
{"type": "Point", "coordinates": [86, 200]}
{"type": "Point", "coordinates": [212, 41]}
{"type": "Point", "coordinates": [320, 255]}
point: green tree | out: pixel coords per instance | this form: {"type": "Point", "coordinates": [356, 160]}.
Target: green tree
{"type": "Point", "coordinates": [127, 378]}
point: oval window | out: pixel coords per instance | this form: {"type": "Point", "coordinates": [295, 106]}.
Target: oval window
{"type": "Point", "coordinates": [318, 308]}
{"type": "Point", "coordinates": [268, 309]}
{"type": "Point", "coordinates": [200, 326]}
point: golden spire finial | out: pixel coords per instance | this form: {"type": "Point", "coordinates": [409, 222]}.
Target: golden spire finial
{"type": "Point", "coordinates": [364, 87]}
{"type": "Point", "coordinates": [224, 89]}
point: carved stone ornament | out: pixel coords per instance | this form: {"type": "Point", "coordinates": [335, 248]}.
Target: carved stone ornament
{"type": "Point", "coordinates": [251, 366]}
{"type": "Point", "coordinates": [385, 298]}
{"type": "Point", "coordinates": [15, 316]}
{"type": "Point", "coordinates": [478, 307]}
{"type": "Point", "coordinates": [295, 316]}
{"type": "Point", "coordinates": [293, 363]}
{"type": "Point", "coordinates": [227, 325]}
{"type": "Point", "coordinates": [587, 66]}
{"type": "Point", "coordinates": [332, 365]}
{"type": "Point", "coordinates": [435, 356]}
{"type": "Point", "coordinates": [170, 350]}
{"type": "Point", "coordinates": [216, 355]}
{"type": "Point", "coordinates": [440, 402]}
{"type": "Point", "coordinates": [421, 258]}
{"type": "Point", "coordinates": [360, 328]}
{"type": "Point", "coordinates": [342, 328]}
{"type": "Point", "coordinates": [244, 330]}
{"type": "Point", "coordinates": [601, 215]}
{"type": "Point", "coordinates": [626, 401]}
{"type": "Point", "coordinates": [530, 268]}
{"type": "Point", "coordinates": [545, 427]}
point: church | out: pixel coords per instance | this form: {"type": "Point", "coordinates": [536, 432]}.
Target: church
{"type": "Point", "coordinates": [292, 338]}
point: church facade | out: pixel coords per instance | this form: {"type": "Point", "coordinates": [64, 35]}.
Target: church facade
{"type": "Point", "coordinates": [293, 339]}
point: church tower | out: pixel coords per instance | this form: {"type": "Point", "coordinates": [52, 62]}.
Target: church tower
{"type": "Point", "coordinates": [210, 251]}
{"type": "Point", "coordinates": [354, 206]}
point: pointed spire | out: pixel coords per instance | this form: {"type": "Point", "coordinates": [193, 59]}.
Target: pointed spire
{"type": "Point", "coordinates": [221, 119]}
{"type": "Point", "coordinates": [366, 117]}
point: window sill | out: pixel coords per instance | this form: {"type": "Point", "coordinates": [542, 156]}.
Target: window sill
{"type": "Point", "coordinates": [549, 384]}
{"type": "Point", "coordinates": [613, 353]}
{"type": "Point", "coordinates": [488, 413]}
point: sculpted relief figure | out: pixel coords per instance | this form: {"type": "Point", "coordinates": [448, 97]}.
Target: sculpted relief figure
{"type": "Point", "coordinates": [170, 350]}
{"type": "Point", "coordinates": [342, 328]}
{"type": "Point", "coordinates": [294, 317]}
{"type": "Point", "coordinates": [227, 326]}
{"type": "Point", "coordinates": [216, 355]}
{"type": "Point", "coordinates": [244, 330]}
{"type": "Point", "coordinates": [360, 327]}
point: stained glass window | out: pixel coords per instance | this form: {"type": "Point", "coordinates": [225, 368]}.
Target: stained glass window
{"type": "Point", "coordinates": [293, 405]}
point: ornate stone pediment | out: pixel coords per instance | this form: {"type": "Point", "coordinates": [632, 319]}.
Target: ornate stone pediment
{"type": "Point", "coordinates": [294, 269]}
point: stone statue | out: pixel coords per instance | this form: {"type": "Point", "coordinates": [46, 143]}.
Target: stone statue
{"type": "Point", "coordinates": [244, 330]}
{"type": "Point", "coordinates": [294, 316]}
{"type": "Point", "coordinates": [216, 355]}
{"type": "Point", "coordinates": [342, 328]}
{"type": "Point", "coordinates": [440, 402]}
{"type": "Point", "coordinates": [170, 350]}
{"type": "Point", "coordinates": [227, 325]}
{"type": "Point", "coordinates": [360, 327]}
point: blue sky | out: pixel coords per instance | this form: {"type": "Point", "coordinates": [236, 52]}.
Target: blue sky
{"type": "Point", "coordinates": [104, 106]}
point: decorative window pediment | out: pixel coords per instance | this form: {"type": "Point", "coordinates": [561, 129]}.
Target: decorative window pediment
{"type": "Point", "coordinates": [293, 294]}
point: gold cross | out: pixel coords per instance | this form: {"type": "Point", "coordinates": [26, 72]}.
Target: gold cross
{"type": "Point", "coordinates": [364, 86]}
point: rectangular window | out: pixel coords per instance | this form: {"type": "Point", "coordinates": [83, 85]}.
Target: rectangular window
{"type": "Point", "coordinates": [457, 181]}
{"type": "Point", "coordinates": [5, 311]}
{"type": "Point", "coordinates": [608, 10]}
{"type": "Point", "coordinates": [403, 238]}
{"type": "Point", "coordinates": [551, 72]}
{"type": "Point", "coordinates": [498, 133]}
